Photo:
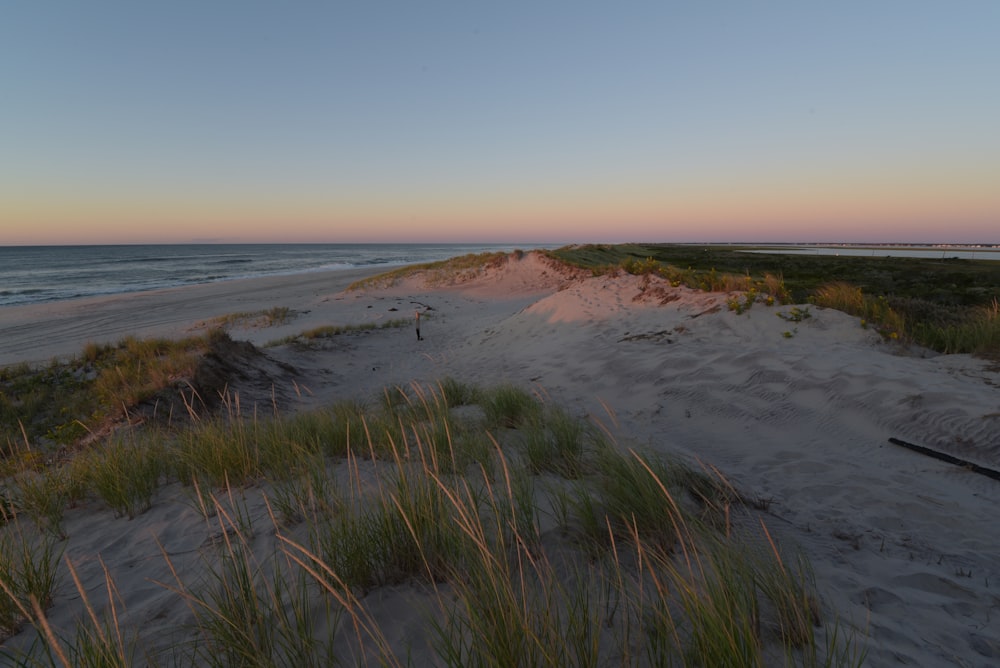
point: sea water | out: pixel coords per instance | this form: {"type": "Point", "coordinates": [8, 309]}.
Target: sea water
{"type": "Point", "coordinates": [33, 274]}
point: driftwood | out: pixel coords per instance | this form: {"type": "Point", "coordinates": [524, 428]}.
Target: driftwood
{"type": "Point", "coordinates": [944, 457]}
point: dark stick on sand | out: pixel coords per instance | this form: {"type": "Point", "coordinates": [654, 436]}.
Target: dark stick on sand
{"type": "Point", "coordinates": [975, 468]}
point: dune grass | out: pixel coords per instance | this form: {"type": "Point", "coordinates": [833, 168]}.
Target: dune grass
{"type": "Point", "coordinates": [439, 272]}
{"type": "Point", "coordinates": [64, 401]}
{"type": "Point", "coordinates": [272, 317]}
{"type": "Point", "coordinates": [524, 536]}
{"type": "Point", "coordinates": [978, 332]}
{"type": "Point", "coordinates": [873, 311]}
{"type": "Point", "coordinates": [28, 573]}
{"type": "Point", "coordinates": [329, 331]}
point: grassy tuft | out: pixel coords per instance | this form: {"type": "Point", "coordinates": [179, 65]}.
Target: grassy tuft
{"type": "Point", "coordinates": [510, 406]}
{"type": "Point", "coordinates": [28, 574]}
{"type": "Point", "coordinates": [125, 474]}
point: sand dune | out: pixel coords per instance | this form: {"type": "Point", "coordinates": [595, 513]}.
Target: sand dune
{"type": "Point", "coordinates": [905, 548]}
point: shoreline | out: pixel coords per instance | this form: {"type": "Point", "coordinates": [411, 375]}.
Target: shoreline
{"type": "Point", "coordinates": [38, 333]}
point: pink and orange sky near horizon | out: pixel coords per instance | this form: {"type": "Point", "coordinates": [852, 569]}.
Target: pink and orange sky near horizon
{"type": "Point", "coordinates": [514, 122]}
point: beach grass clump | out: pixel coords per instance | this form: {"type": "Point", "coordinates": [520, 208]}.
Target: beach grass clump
{"type": "Point", "coordinates": [396, 400]}
{"type": "Point", "coordinates": [217, 452]}
{"type": "Point", "coordinates": [309, 494]}
{"type": "Point", "coordinates": [633, 497]}
{"type": "Point", "coordinates": [557, 443]}
{"type": "Point", "coordinates": [457, 393]}
{"type": "Point", "coordinates": [318, 334]}
{"type": "Point", "coordinates": [288, 447]}
{"type": "Point", "coordinates": [63, 402]}
{"type": "Point", "coordinates": [98, 640]}
{"type": "Point", "coordinates": [397, 531]}
{"type": "Point", "coordinates": [510, 406]}
{"type": "Point", "coordinates": [125, 473]}
{"type": "Point", "coordinates": [272, 317]}
{"type": "Point", "coordinates": [28, 574]}
{"type": "Point", "coordinates": [135, 370]}
{"type": "Point", "coordinates": [344, 424]}
{"type": "Point", "coordinates": [49, 403]}
{"type": "Point", "coordinates": [643, 267]}
{"type": "Point", "coordinates": [874, 310]}
{"type": "Point", "coordinates": [775, 289]}
{"type": "Point", "coordinates": [41, 495]}
{"type": "Point", "coordinates": [252, 611]}
{"type": "Point", "coordinates": [790, 590]}
{"type": "Point", "coordinates": [947, 329]}
{"type": "Point", "coordinates": [506, 611]}
{"type": "Point", "coordinates": [978, 332]}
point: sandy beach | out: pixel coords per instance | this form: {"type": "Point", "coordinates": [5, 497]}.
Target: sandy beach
{"type": "Point", "coordinates": [905, 548]}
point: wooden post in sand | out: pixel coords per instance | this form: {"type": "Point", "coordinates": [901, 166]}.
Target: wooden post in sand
{"type": "Point", "coordinates": [945, 457]}
{"type": "Point", "coordinates": [417, 314]}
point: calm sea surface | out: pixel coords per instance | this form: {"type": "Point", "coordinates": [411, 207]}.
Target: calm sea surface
{"type": "Point", "coordinates": [32, 274]}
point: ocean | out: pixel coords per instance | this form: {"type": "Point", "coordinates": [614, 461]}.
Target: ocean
{"type": "Point", "coordinates": [34, 274]}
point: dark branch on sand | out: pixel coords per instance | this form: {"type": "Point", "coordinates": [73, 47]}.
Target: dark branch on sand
{"type": "Point", "coordinates": [944, 457]}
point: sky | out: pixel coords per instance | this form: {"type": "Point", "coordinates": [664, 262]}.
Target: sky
{"type": "Point", "coordinates": [469, 121]}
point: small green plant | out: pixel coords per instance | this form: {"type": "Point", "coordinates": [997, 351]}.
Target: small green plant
{"type": "Point", "coordinates": [740, 304]}
{"type": "Point", "coordinates": [643, 267]}
{"type": "Point", "coordinates": [795, 314]}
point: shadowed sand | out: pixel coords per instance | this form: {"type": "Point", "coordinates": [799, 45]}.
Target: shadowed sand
{"type": "Point", "coordinates": [904, 548]}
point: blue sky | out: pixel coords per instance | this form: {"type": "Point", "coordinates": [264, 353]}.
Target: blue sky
{"type": "Point", "coordinates": [537, 121]}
